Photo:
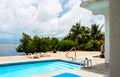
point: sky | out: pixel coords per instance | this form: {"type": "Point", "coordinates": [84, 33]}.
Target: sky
{"type": "Point", "coordinates": [52, 18]}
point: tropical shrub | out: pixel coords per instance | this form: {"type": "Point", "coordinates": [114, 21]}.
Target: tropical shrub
{"type": "Point", "coordinates": [25, 41]}
{"type": "Point", "coordinates": [36, 44]}
{"type": "Point", "coordinates": [65, 45]}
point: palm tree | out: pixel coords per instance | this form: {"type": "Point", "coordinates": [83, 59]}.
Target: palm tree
{"type": "Point", "coordinates": [96, 36]}
{"type": "Point", "coordinates": [78, 33]}
{"type": "Point", "coordinates": [88, 37]}
{"type": "Point", "coordinates": [95, 32]}
{"type": "Point", "coordinates": [85, 34]}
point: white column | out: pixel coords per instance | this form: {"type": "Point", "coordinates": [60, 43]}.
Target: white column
{"type": "Point", "coordinates": [107, 41]}
{"type": "Point", "coordinates": [114, 38]}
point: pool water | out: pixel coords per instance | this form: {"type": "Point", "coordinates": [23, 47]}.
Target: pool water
{"type": "Point", "coordinates": [28, 69]}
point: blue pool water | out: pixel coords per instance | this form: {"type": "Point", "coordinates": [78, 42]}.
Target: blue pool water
{"type": "Point", "coordinates": [67, 75]}
{"type": "Point", "coordinates": [33, 68]}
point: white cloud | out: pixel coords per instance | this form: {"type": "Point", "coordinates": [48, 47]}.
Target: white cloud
{"type": "Point", "coordinates": [40, 17]}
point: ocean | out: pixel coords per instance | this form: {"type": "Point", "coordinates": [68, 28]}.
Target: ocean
{"type": "Point", "coordinates": [9, 50]}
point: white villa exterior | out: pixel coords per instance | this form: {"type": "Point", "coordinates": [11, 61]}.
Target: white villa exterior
{"type": "Point", "coordinates": [112, 30]}
{"type": "Point", "coordinates": [100, 7]}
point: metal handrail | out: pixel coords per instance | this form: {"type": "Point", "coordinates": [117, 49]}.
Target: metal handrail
{"type": "Point", "coordinates": [73, 58]}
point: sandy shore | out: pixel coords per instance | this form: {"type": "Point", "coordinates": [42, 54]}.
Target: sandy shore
{"type": "Point", "coordinates": [52, 55]}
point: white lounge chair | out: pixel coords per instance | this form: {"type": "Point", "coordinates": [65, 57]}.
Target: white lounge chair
{"type": "Point", "coordinates": [42, 54]}
{"type": "Point", "coordinates": [48, 54]}
{"type": "Point", "coordinates": [35, 55]}
{"type": "Point", "coordinates": [45, 54]}
{"type": "Point", "coordinates": [30, 55]}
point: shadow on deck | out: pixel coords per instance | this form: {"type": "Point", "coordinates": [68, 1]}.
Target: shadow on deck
{"type": "Point", "coordinates": [99, 69]}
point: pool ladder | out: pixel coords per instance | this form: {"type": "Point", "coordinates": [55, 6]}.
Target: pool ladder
{"type": "Point", "coordinates": [73, 58]}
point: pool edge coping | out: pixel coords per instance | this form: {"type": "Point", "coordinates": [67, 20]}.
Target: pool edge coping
{"type": "Point", "coordinates": [35, 61]}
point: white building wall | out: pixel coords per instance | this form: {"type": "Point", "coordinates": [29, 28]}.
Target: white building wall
{"type": "Point", "coordinates": [114, 64]}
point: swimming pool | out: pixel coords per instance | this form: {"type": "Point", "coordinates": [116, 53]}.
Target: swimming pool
{"type": "Point", "coordinates": [23, 69]}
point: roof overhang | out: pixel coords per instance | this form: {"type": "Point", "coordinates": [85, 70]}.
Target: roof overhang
{"type": "Point", "coordinates": [96, 6]}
